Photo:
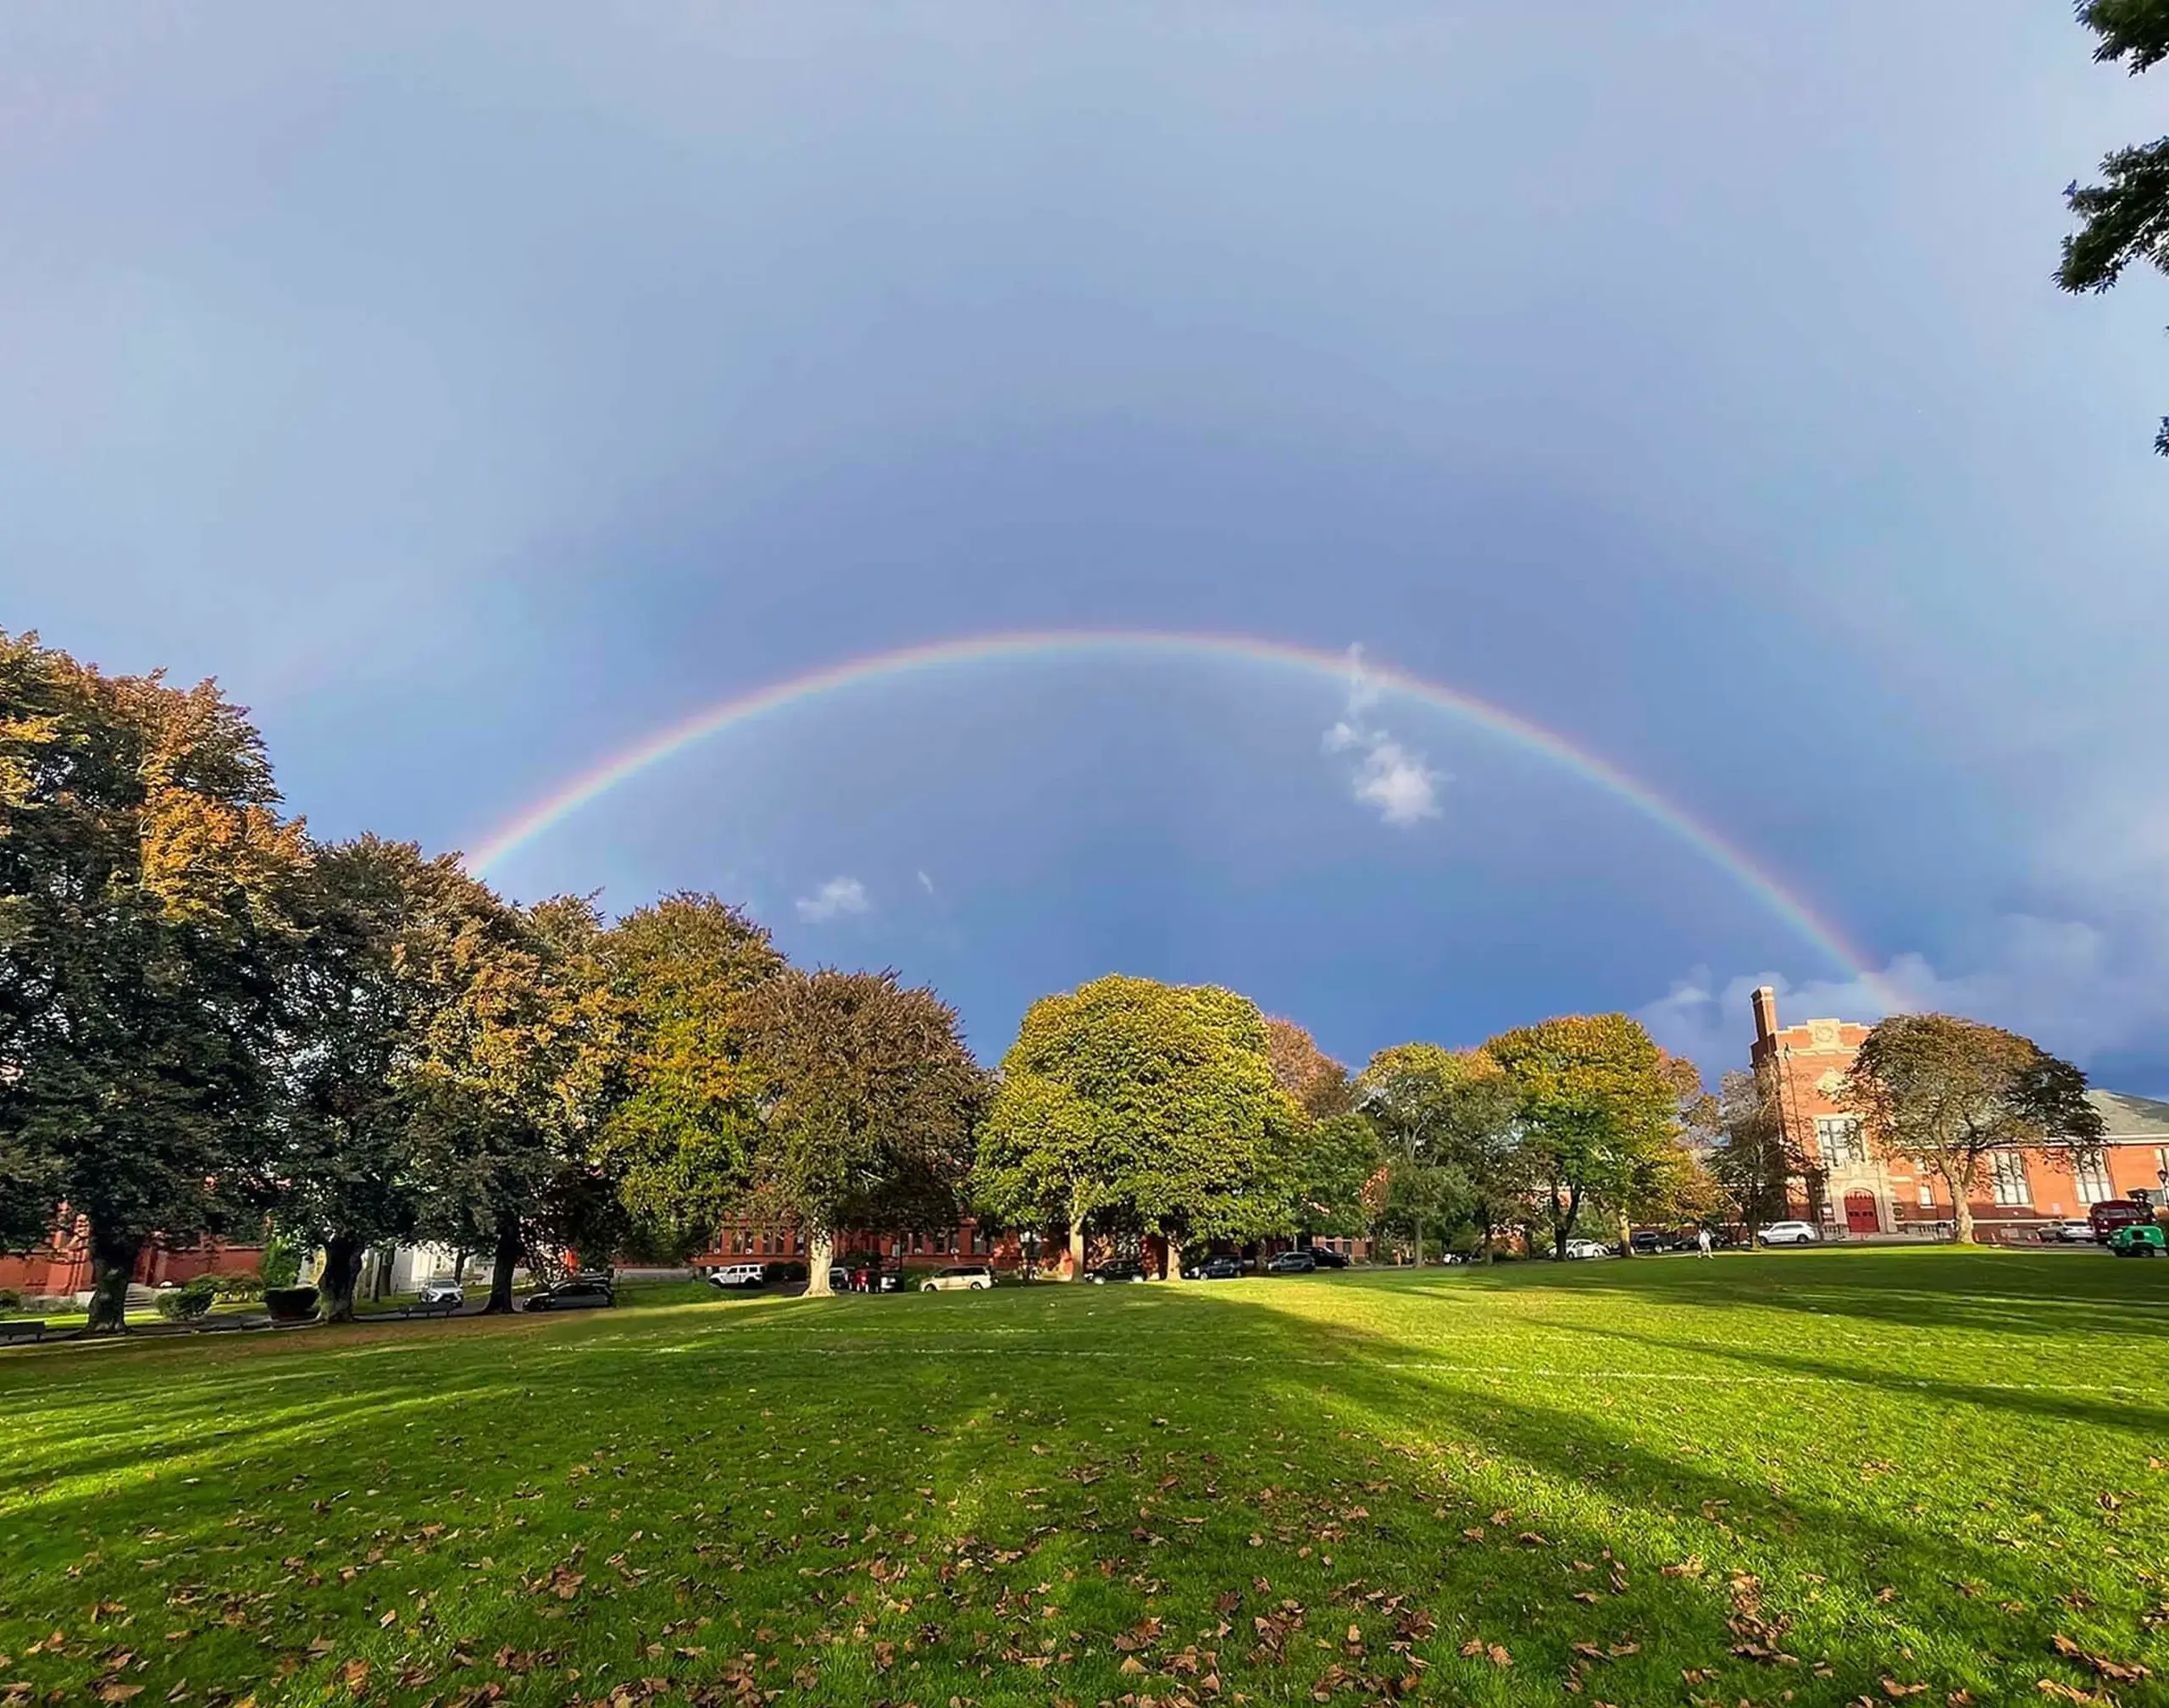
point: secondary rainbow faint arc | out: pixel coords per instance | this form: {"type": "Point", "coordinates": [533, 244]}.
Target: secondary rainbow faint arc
{"type": "Point", "coordinates": [569, 797]}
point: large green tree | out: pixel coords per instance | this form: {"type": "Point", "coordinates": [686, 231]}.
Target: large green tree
{"type": "Point", "coordinates": [507, 1082]}
{"type": "Point", "coordinates": [1415, 1094]}
{"type": "Point", "coordinates": [1143, 1104]}
{"type": "Point", "coordinates": [2126, 218]}
{"type": "Point", "coordinates": [377, 969]}
{"type": "Point", "coordinates": [1599, 1107]}
{"type": "Point", "coordinates": [681, 1111]}
{"type": "Point", "coordinates": [1334, 1162]}
{"type": "Point", "coordinates": [1949, 1094]}
{"type": "Point", "coordinates": [148, 889]}
{"type": "Point", "coordinates": [868, 1100]}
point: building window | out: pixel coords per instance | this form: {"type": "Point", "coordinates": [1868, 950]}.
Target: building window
{"type": "Point", "coordinates": [2010, 1176]}
{"type": "Point", "coordinates": [1840, 1141]}
{"type": "Point", "coordinates": [2091, 1178]}
{"type": "Point", "coordinates": [1927, 1195]}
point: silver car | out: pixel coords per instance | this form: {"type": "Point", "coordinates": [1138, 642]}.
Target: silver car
{"type": "Point", "coordinates": [1790, 1233]}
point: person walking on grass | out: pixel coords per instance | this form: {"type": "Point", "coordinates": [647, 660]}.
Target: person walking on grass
{"type": "Point", "coordinates": [1701, 1242]}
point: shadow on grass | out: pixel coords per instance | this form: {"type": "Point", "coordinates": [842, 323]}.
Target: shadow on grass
{"type": "Point", "coordinates": [1221, 1441]}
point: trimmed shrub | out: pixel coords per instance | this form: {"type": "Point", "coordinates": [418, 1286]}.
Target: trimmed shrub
{"type": "Point", "coordinates": [289, 1304]}
{"type": "Point", "coordinates": [11, 1299]}
{"type": "Point", "coordinates": [188, 1304]}
{"type": "Point", "coordinates": [236, 1283]}
{"type": "Point", "coordinates": [282, 1262]}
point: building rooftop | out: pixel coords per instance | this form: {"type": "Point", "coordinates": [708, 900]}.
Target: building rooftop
{"type": "Point", "coordinates": [2132, 1118]}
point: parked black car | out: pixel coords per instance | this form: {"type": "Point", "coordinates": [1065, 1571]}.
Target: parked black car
{"type": "Point", "coordinates": [1290, 1263]}
{"type": "Point", "coordinates": [1646, 1242]}
{"type": "Point", "coordinates": [1325, 1257]}
{"type": "Point", "coordinates": [771, 1273]}
{"type": "Point", "coordinates": [575, 1295]}
{"type": "Point", "coordinates": [1220, 1268]}
{"type": "Point", "coordinates": [1121, 1270]}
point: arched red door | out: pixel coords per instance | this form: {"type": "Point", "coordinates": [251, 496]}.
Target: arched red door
{"type": "Point", "coordinates": [1859, 1213]}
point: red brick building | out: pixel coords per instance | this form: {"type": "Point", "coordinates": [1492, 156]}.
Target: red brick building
{"type": "Point", "coordinates": [1852, 1189]}
{"type": "Point", "coordinates": [61, 1267]}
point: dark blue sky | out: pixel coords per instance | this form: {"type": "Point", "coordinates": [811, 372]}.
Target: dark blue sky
{"type": "Point", "coordinates": [473, 390]}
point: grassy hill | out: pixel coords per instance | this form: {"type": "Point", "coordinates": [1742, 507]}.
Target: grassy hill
{"type": "Point", "coordinates": [1804, 1477]}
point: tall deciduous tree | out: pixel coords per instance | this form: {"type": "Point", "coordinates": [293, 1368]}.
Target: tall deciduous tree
{"type": "Point", "coordinates": [146, 889]}
{"type": "Point", "coordinates": [2125, 219]}
{"type": "Point", "coordinates": [376, 970]}
{"type": "Point", "coordinates": [1482, 1142]}
{"type": "Point", "coordinates": [1335, 1161]}
{"type": "Point", "coordinates": [1413, 1093]}
{"type": "Point", "coordinates": [1749, 1151]}
{"type": "Point", "coordinates": [1317, 1083]}
{"type": "Point", "coordinates": [1948, 1094]}
{"type": "Point", "coordinates": [1597, 1102]}
{"type": "Point", "coordinates": [505, 1080]}
{"type": "Point", "coordinates": [681, 1113]}
{"type": "Point", "coordinates": [1148, 1104]}
{"type": "Point", "coordinates": [868, 1101]}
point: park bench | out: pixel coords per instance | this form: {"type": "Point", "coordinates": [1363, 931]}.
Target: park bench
{"type": "Point", "coordinates": [431, 1307]}
{"type": "Point", "coordinates": [21, 1331]}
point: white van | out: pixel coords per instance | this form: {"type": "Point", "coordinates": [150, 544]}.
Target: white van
{"type": "Point", "coordinates": [739, 1275]}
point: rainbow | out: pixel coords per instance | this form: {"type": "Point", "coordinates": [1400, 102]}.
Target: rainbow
{"type": "Point", "coordinates": [598, 780]}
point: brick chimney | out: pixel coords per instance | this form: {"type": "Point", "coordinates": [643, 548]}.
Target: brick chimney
{"type": "Point", "coordinates": [1766, 1014]}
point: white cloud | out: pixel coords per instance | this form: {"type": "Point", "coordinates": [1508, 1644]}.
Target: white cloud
{"type": "Point", "coordinates": [925, 882]}
{"type": "Point", "coordinates": [833, 900]}
{"type": "Point", "coordinates": [1397, 783]}
{"type": "Point", "coordinates": [1388, 776]}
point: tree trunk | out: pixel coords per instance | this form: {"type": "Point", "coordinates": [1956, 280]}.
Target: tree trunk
{"type": "Point", "coordinates": [112, 1267]}
{"type": "Point", "coordinates": [820, 1255]}
{"type": "Point", "coordinates": [1174, 1258]}
{"type": "Point", "coordinates": [1416, 1222]}
{"type": "Point", "coordinates": [507, 1260]}
{"type": "Point", "coordinates": [1961, 1219]}
{"type": "Point", "coordinates": [1626, 1236]}
{"type": "Point", "coordinates": [335, 1287]}
{"type": "Point", "coordinates": [1076, 1249]}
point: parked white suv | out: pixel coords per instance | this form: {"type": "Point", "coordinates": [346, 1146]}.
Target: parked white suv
{"type": "Point", "coordinates": [739, 1275]}
{"type": "Point", "coordinates": [1790, 1233]}
{"type": "Point", "coordinates": [1578, 1251]}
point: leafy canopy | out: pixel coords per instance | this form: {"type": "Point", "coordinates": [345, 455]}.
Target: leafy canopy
{"type": "Point", "coordinates": [682, 1108]}
{"type": "Point", "coordinates": [148, 890]}
{"type": "Point", "coordinates": [1945, 1093]}
{"type": "Point", "coordinates": [2126, 218]}
{"type": "Point", "coordinates": [1148, 1104]}
{"type": "Point", "coordinates": [1599, 1105]}
{"type": "Point", "coordinates": [868, 1100]}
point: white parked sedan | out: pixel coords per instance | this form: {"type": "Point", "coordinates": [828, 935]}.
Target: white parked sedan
{"type": "Point", "coordinates": [1577, 1250]}
{"type": "Point", "coordinates": [1790, 1233]}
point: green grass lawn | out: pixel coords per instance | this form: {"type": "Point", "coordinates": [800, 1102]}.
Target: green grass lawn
{"type": "Point", "coordinates": [1784, 1478]}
